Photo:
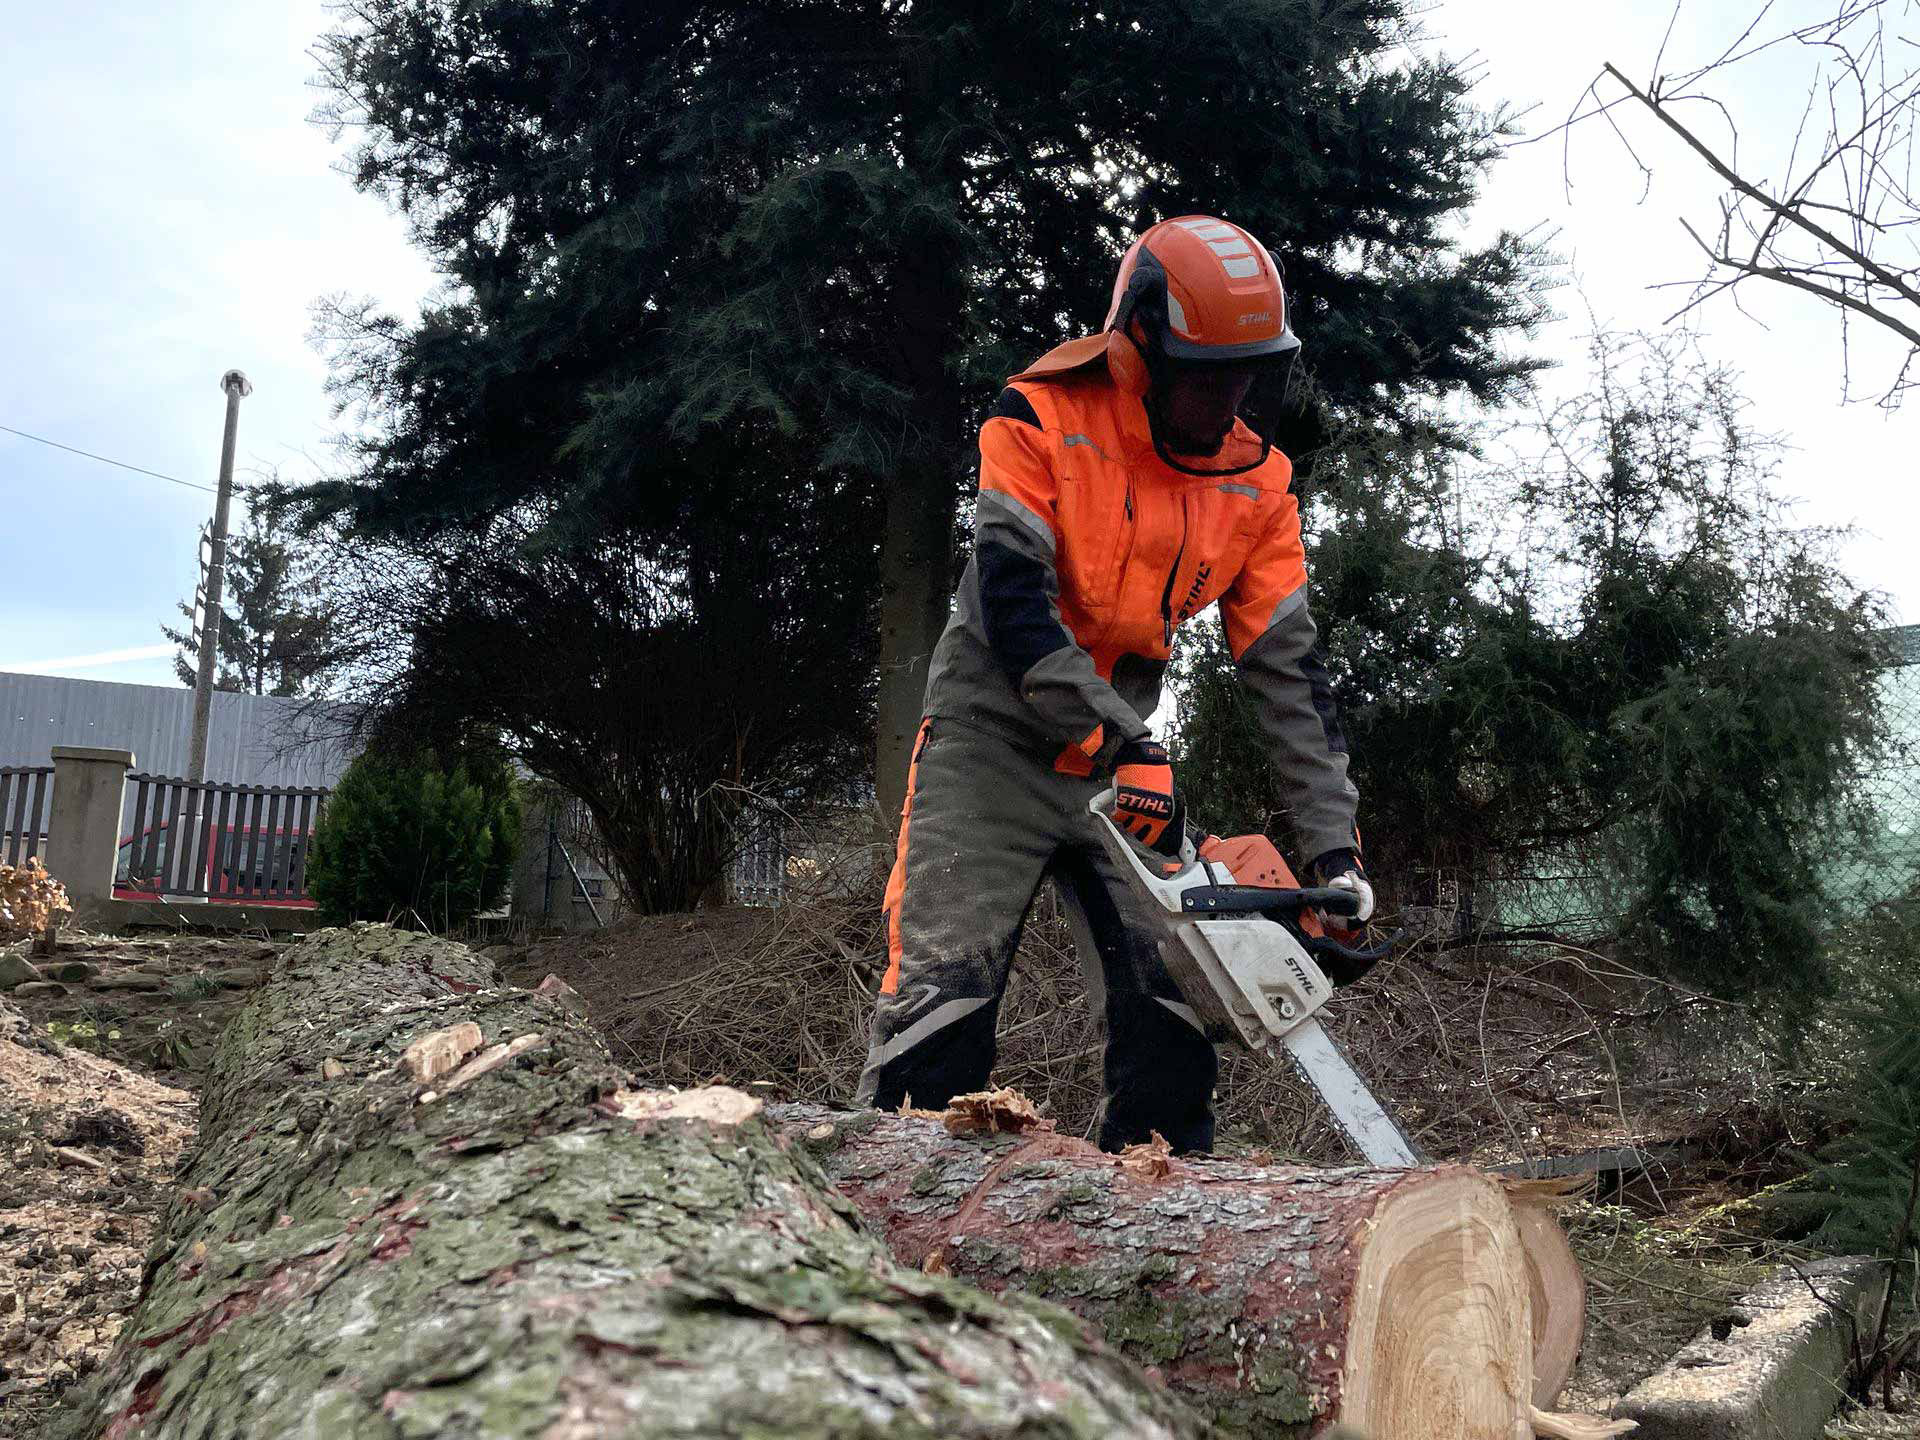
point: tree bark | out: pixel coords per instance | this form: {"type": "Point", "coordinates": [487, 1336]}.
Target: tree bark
{"type": "Point", "coordinates": [520, 1246]}
{"type": "Point", "coordinates": [1279, 1302]}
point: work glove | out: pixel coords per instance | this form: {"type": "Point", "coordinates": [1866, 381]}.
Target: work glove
{"type": "Point", "coordinates": [1143, 800]}
{"type": "Point", "coordinates": [1340, 870]}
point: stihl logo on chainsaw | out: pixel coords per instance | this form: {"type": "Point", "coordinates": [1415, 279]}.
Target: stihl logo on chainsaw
{"type": "Point", "coordinates": [1195, 591]}
{"type": "Point", "coordinates": [1307, 987]}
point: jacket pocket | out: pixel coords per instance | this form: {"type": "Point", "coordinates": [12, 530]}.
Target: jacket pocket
{"type": "Point", "coordinates": [1097, 523]}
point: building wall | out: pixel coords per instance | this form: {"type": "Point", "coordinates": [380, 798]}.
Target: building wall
{"type": "Point", "coordinates": [251, 739]}
{"type": "Point", "coordinates": [544, 893]}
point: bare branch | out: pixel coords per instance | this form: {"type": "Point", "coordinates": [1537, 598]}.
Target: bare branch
{"type": "Point", "coordinates": [1753, 192]}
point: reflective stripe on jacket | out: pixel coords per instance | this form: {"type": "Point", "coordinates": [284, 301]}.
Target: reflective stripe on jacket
{"type": "Point", "coordinates": [1089, 551]}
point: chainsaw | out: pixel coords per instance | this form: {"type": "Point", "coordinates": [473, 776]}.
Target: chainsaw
{"type": "Point", "coordinates": [1244, 946]}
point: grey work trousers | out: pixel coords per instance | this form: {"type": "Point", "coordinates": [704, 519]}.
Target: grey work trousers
{"type": "Point", "coordinates": [985, 822]}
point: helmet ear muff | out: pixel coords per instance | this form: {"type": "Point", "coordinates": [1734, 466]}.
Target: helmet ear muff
{"type": "Point", "coordinates": [1127, 363]}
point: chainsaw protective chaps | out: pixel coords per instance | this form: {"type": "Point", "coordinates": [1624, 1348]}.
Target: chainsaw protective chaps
{"type": "Point", "coordinates": [985, 823]}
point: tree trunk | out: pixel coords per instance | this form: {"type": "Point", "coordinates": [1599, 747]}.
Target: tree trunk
{"type": "Point", "coordinates": [915, 561]}
{"type": "Point", "coordinates": [929, 285]}
{"type": "Point", "coordinates": [1278, 1301]}
{"type": "Point", "coordinates": [519, 1246]}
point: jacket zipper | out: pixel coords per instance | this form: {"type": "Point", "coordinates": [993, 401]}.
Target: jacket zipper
{"type": "Point", "coordinates": [1166, 595]}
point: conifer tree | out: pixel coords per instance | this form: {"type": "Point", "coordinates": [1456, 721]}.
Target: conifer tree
{"type": "Point", "coordinates": [1863, 1187]}
{"type": "Point", "coordinates": [1605, 653]}
{"type": "Point", "coordinates": [276, 636]}
{"type": "Point", "coordinates": [665, 222]}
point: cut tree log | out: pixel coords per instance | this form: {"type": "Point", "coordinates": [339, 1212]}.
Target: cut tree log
{"type": "Point", "coordinates": [541, 1252]}
{"type": "Point", "coordinates": [1277, 1301]}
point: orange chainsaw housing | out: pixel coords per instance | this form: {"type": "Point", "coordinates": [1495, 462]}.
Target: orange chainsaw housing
{"type": "Point", "coordinates": [1254, 861]}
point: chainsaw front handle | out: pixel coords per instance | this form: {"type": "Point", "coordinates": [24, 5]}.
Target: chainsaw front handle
{"type": "Point", "coordinates": [1248, 899]}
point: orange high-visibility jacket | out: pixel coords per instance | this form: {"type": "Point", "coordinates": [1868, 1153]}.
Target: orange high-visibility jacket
{"type": "Point", "coordinates": [1089, 551]}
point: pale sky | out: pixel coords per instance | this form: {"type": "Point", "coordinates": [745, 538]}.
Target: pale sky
{"type": "Point", "coordinates": [174, 215]}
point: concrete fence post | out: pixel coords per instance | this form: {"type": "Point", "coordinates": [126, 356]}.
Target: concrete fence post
{"type": "Point", "coordinates": [83, 831]}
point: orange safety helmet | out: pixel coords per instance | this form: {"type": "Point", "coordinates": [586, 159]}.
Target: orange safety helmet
{"type": "Point", "coordinates": [1195, 290]}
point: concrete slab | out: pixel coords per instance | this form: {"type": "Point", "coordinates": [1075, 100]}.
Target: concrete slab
{"type": "Point", "coordinates": [1771, 1368]}
{"type": "Point", "coordinates": [200, 916]}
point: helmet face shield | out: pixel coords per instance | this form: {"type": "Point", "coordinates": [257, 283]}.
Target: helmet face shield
{"type": "Point", "coordinates": [1217, 418]}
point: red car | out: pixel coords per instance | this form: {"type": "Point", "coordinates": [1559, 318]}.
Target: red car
{"type": "Point", "coordinates": [235, 866]}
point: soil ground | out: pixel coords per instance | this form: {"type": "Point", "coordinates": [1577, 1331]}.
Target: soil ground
{"type": "Point", "coordinates": [104, 1069]}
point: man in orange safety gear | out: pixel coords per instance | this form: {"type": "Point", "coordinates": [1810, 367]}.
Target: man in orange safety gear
{"type": "Point", "coordinates": [1123, 489]}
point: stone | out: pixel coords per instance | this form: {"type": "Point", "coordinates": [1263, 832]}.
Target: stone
{"type": "Point", "coordinates": [127, 980]}
{"type": "Point", "coordinates": [570, 999]}
{"type": "Point", "coordinates": [74, 972]}
{"type": "Point", "coordinates": [43, 989]}
{"type": "Point", "coordinates": [16, 970]}
{"type": "Point", "coordinates": [1771, 1368]}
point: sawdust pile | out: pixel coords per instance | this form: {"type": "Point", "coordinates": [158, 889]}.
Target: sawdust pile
{"type": "Point", "coordinates": [87, 1148]}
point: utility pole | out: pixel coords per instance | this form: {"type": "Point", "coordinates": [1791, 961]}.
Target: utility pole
{"type": "Point", "coordinates": [237, 387]}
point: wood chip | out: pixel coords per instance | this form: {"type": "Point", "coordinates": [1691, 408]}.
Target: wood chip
{"type": "Point", "coordinates": [716, 1104]}
{"type": "Point", "coordinates": [1550, 1426]}
{"type": "Point", "coordinates": [1150, 1160]}
{"type": "Point", "coordinates": [77, 1159]}
{"type": "Point", "coordinates": [485, 1062]}
{"type": "Point", "coordinates": [558, 990]}
{"type": "Point", "coordinates": [992, 1112]}
{"type": "Point", "coordinates": [439, 1051]}
{"type": "Point", "coordinates": [1551, 1191]}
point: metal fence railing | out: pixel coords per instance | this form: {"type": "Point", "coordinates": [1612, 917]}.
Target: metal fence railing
{"type": "Point", "coordinates": [212, 841]}
{"type": "Point", "coordinates": [24, 801]}
{"type": "Point", "coordinates": [758, 874]}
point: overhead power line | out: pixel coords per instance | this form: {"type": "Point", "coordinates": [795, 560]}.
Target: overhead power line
{"type": "Point", "coordinates": [107, 460]}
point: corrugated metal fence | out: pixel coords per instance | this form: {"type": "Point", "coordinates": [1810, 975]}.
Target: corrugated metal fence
{"type": "Point", "coordinates": [252, 739]}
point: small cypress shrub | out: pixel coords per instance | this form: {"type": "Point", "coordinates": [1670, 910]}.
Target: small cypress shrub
{"type": "Point", "coordinates": [406, 840]}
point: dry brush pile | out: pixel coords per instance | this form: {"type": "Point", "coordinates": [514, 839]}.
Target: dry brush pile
{"type": "Point", "coordinates": [31, 903]}
{"type": "Point", "coordinates": [1493, 1056]}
